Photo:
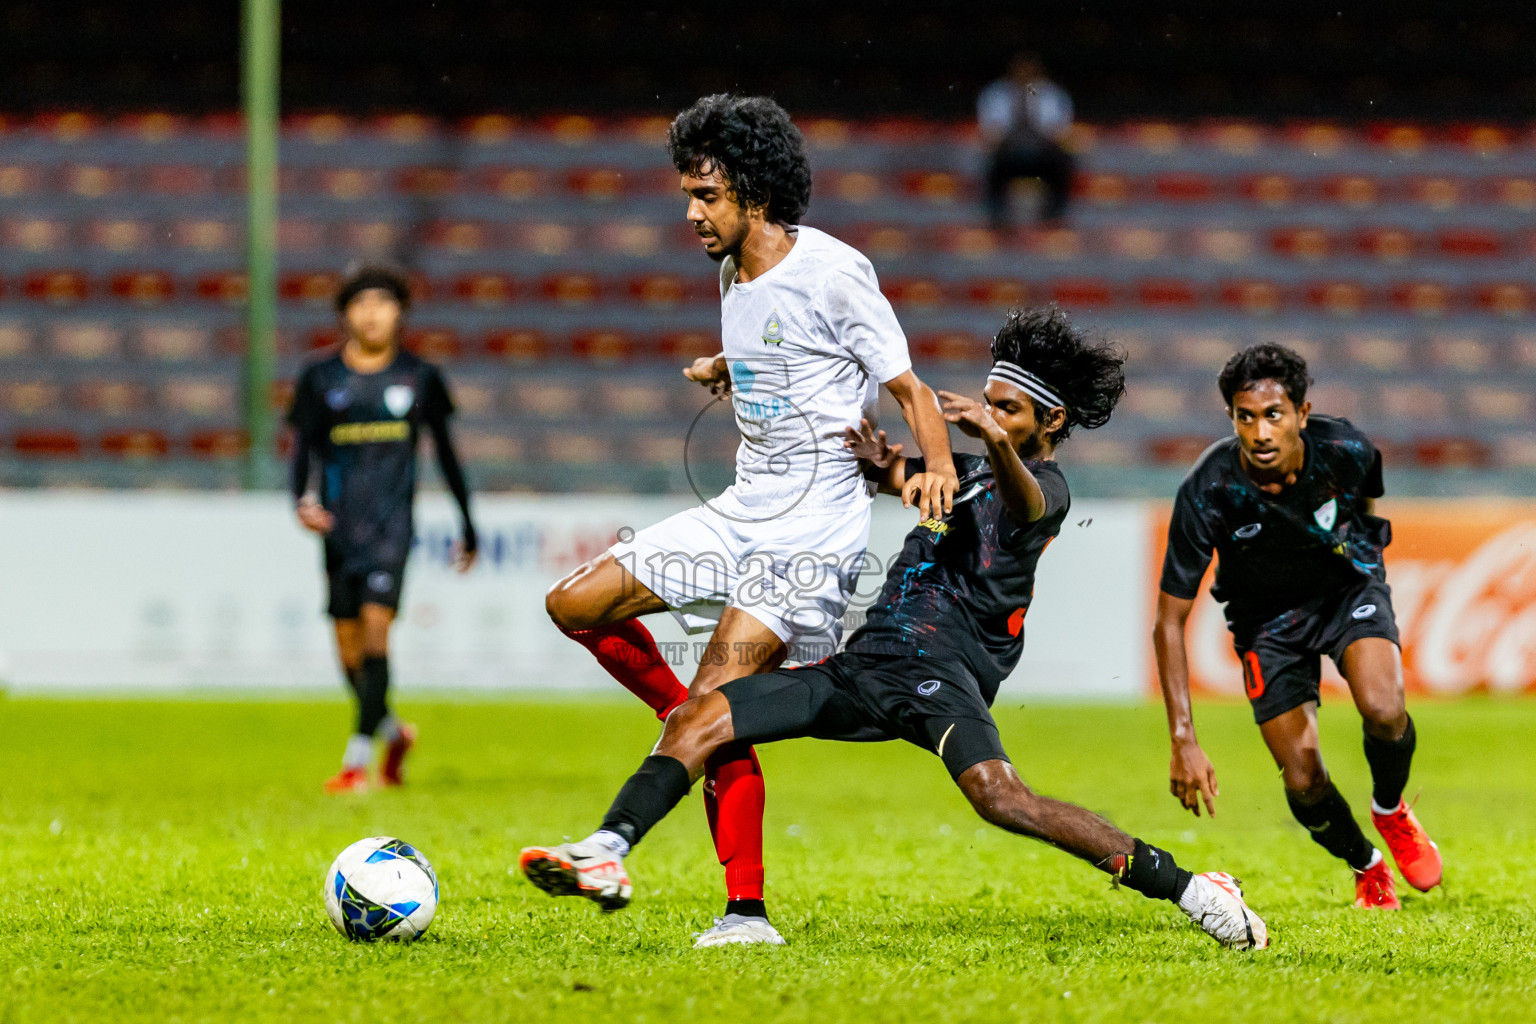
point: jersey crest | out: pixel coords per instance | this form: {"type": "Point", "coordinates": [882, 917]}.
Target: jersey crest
{"type": "Point", "coordinates": [1327, 514]}
{"type": "Point", "coordinates": [773, 329]}
{"type": "Point", "coordinates": [398, 398]}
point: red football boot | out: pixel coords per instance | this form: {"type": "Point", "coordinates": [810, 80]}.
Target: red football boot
{"type": "Point", "coordinates": [1373, 886]}
{"type": "Point", "coordinates": [1417, 857]}
{"type": "Point", "coordinates": [394, 756]}
{"type": "Point", "coordinates": [348, 780]}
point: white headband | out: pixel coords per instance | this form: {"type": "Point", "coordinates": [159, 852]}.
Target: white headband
{"type": "Point", "coordinates": [1034, 387]}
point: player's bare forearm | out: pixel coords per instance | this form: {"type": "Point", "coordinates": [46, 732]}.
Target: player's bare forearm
{"type": "Point", "coordinates": [920, 408]}
{"type": "Point", "coordinates": [1016, 485]}
{"type": "Point", "coordinates": [1173, 664]}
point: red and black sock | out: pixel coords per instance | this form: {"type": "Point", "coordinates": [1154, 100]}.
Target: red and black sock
{"type": "Point", "coordinates": [1152, 872]}
{"type": "Point", "coordinates": [1390, 761]}
{"type": "Point", "coordinates": [1332, 825]}
{"type": "Point", "coordinates": [648, 796]}
{"type": "Point", "coordinates": [733, 801]}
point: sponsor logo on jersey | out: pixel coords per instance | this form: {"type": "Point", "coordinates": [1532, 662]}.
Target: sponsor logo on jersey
{"type": "Point", "coordinates": [742, 377]}
{"type": "Point", "coordinates": [773, 330]}
{"type": "Point", "coordinates": [371, 433]}
{"type": "Point", "coordinates": [398, 398]}
{"type": "Point", "coordinates": [1365, 611]}
{"type": "Point", "coordinates": [338, 398]}
{"type": "Point", "coordinates": [1248, 532]}
{"type": "Point", "coordinates": [380, 582]}
{"type": "Point", "coordinates": [928, 687]}
{"type": "Point", "coordinates": [937, 526]}
{"type": "Point", "coordinates": [1327, 514]}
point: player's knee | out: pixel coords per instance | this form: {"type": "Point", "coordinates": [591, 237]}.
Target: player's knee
{"type": "Point", "coordinates": [1308, 781]}
{"type": "Point", "coordinates": [563, 605]}
{"type": "Point", "coordinates": [1384, 716]}
{"type": "Point", "coordinates": [699, 727]}
{"type": "Point", "coordinates": [1000, 797]}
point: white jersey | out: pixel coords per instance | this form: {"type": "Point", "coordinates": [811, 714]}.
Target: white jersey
{"type": "Point", "coordinates": [808, 345]}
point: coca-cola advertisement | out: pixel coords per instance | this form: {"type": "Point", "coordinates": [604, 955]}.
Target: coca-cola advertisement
{"type": "Point", "coordinates": [1463, 579]}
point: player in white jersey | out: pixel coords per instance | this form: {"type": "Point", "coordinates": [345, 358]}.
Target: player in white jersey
{"type": "Point", "coordinates": [770, 565]}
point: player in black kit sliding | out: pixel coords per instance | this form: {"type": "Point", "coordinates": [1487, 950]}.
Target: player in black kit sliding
{"type": "Point", "coordinates": [1287, 503]}
{"type": "Point", "coordinates": [356, 417]}
{"type": "Point", "coordinates": [947, 628]}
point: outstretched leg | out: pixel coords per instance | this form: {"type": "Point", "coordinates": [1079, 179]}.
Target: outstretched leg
{"type": "Point", "coordinates": [1212, 900]}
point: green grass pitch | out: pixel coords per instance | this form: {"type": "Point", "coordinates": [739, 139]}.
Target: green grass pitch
{"type": "Point", "coordinates": [163, 861]}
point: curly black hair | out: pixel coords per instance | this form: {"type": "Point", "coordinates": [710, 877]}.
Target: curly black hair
{"type": "Point", "coordinates": [1088, 374]}
{"type": "Point", "coordinates": [361, 277]}
{"type": "Point", "coordinates": [754, 145]}
{"type": "Point", "coordinates": [1265, 362]}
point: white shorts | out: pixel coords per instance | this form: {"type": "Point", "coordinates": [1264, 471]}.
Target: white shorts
{"type": "Point", "coordinates": [794, 574]}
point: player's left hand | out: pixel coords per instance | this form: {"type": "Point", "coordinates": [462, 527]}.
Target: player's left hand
{"type": "Point", "coordinates": [932, 491]}
{"type": "Point", "coordinates": [973, 418]}
{"type": "Point", "coordinates": [870, 445]}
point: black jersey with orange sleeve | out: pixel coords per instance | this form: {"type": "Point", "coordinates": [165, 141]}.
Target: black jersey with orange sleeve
{"type": "Point", "coordinates": [363, 429]}
{"type": "Point", "coordinates": [960, 588]}
{"type": "Point", "coordinates": [1277, 552]}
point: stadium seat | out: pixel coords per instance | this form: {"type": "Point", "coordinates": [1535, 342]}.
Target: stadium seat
{"type": "Point", "coordinates": [203, 396]}
{"type": "Point", "coordinates": [1336, 398]}
{"type": "Point", "coordinates": [115, 235]}
{"type": "Point", "coordinates": [685, 346]}
{"type": "Point", "coordinates": [135, 444]}
{"type": "Point", "coordinates": [1082, 293]}
{"type": "Point", "coordinates": [1422, 298]}
{"type": "Point", "coordinates": [1139, 243]}
{"type": "Point", "coordinates": [85, 340]}
{"type": "Point", "coordinates": [1156, 402]}
{"type": "Point", "coordinates": [462, 237]}
{"type": "Point", "coordinates": [571, 289]}
{"type": "Point", "coordinates": [174, 342]}
{"type": "Point", "coordinates": [1390, 245]}
{"type": "Point", "coordinates": [485, 446]}
{"type": "Point", "coordinates": [315, 288]}
{"type": "Point", "coordinates": [657, 449]}
{"type": "Point", "coordinates": [940, 188]}
{"type": "Point", "coordinates": [90, 181]}
{"type": "Point", "coordinates": [857, 187]}
{"type": "Point", "coordinates": [1166, 294]}
{"type": "Point", "coordinates": [15, 340]}
{"type": "Point", "coordinates": [1184, 188]}
{"type": "Point", "coordinates": [1254, 297]}
{"type": "Point", "coordinates": [1470, 243]}
{"type": "Point", "coordinates": [178, 180]}
{"type": "Point", "coordinates": [1405, 140]}
{"type": "Point", "coordinates": [632, 400]}
{"type": "Point", "coordinates": [218, 443]}
{"type": "Point", "coordinates": [1154, 136]}
{"type": "Point", "coordinates": [47, 444]}
{"type": "Point", "coordinates": [914, 293]}
{"type": "Point", "coordinates": [1178, 450]}
{"type": "Point", "coordinates": [30, 397]}
{"type": "Point", "coordinates": [144, 287]}
{"type": "Point", "coordinates": [1495, 404]}
{"type": "Point", "coordinates": [603, 346]}
{"type": "Point", "coordinates": [227, 287]}
{"type": "Point", "coordinates": [347, 184]}
{"type": "Point", "coordinates": [206, 235]}
{"type": "Point", "coordinates": [1377, 351]}
{"type": "Point", "coordinates": [515, 184]}
{"type": "Point", "coordinates": [19, 180]}
{"type": "Point", "coordinates": [660, 291]}
{"type": "Point", "coordinates": [435, 344]}
{"type": "Point", "coordinates": [1413, 403]}
{"type": "Point", "coordinates": [1303, 243]}
{"type": "Point", "coordinates": [967, 242]}
{"type": "Point", "coordinates": [952, 347]}
{"type": "Point", "coordinates": [1272, 190]}
{"type": "Point", "coordinates": [323, 129]}
{"type": "Point", "coordinates": [300, 235]}
{"type": "Point", "coordinates": [517, 345]}
{"type": "Point", "coordinates": [35, 234]}
{"type": "Point", "coordinates": [544, 239]}
{"type": "Point", "coordinates": [1517, 193]}
{"type": "Point", "coordinates": [369, 236]}
{"type": "Point", "coordinates": [1352, 190]}
{"type": "Point", "coordinates": [486, 289]}
{"type": "Point", "coordinates": [1060, 244]}
{"type": "Point", "coordinates": [1507, 299]}
{"type": "Point", "coordinates": [1202, 350]}
{"type": "Point", "coordinates": [1436, 193]}
{"type": "Point", "coordinates": [1100, 189]}
{"type": "Point", "coordinates": [1465, 352]}
{"type": "Point", "coordinates": [1338, 298]}
{"type": "Point", "coordinates": [404, 129]}
{"type": "Point", "coordinates": [109, 396]}
{"type": "Point", "coordinates": [547, 399]}
{"type": "Point", "coordinates": [632, 239]}
{"type": "Point", "coordinates": [1485, 141]}
{"type": "Point", "coordinates": [597, 184]}
{"type": "Point", "coordinates": [153, 126]}
{"type": "Point", "coordinates": [1223, 245]}
{"type": "Point", "coordinates": [1452, 452]}
{"type": "Point", "coordinates": [998, 293]}
{"type": "Point", "coordinates": [473, 395]}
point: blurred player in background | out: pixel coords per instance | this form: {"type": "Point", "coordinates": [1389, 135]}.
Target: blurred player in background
{"type": "Point", "coordinates": [947, 629]}
{"type": "Point", "coordinates": [356, 417]}
{"type": "Point", "coordinates": [1024, 119]}
{"type": "Point", "coordinates": [1287, 504]}
{"type": "Point", "coordinates": [808, 340]}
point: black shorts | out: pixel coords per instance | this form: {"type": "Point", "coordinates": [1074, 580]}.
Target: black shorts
{"type": "Point", "coordinates": [861, 698]}
{"type": "Point", "coordinates": [1282, 659]}
{"type": "Point", "coordinates": [351, 588]}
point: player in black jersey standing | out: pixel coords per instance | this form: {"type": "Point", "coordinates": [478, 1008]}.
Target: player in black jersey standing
{"type": "Point", "coordinates": [947, 628]}
{"type": "Point", "coordinates": [1287, 504]}
{"type": "Point", "coordinates": [356, 417]}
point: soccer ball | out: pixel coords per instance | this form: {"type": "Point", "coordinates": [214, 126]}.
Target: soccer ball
{"type": "Point", "coordinates": [381, 888]}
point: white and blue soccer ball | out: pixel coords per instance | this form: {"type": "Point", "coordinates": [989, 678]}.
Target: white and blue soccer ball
{"type": "Point", "coordinates": [381, 888]}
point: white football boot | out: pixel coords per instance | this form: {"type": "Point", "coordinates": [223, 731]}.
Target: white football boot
{"type": "Point", "coordinates": [579, 869]}
{"type": "Point", "coordinates": [738, 930]}
{"type": "Point", "coordinates": [1214, 901]}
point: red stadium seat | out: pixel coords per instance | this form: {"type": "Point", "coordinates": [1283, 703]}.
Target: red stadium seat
{"type": "Point", "coordinates": [1168, 294]}
{"type": "Point", "coordinates": [135, 444]}
{"type": "Point", "coordinates": [1353, 190]}
{"type": "Point", "coordinates": [19, 179]}
{"type": "Point", "coordinates": [144, 287]}
{"type": "Point", "coordinates": [47, 444]}
{"type": "Point", "coordinates": [1155, 136]}
{"type": "Point", "coordinates": [109, 397]}
{"type": "Point", "coordinates": [180, 180]}
{"type": "Point", "coordinates": [434, 343]}
{"type": "Point", "coordinates": [66, 126]}
{"type": "Point", "coordinates": [967, 242]}
{"type": "Point", "coordinates": [1272, 190]}
{"type": "Point", "coordinates": [349, 184]}
{"type": "Point", "coordinates": [1482, 140]}
{"type": "Point", "coordinates": [485, 289]}
{"type": "Point", "coordinates": [153, 126]}
{"type": "Point", "coordinates": [1403, 139]}
{"type": "Point", "coordinates": [1390, 245]}
{"type": "Point", "coordinates": [1422, 298]}
{"type": "Point", "coordinates": [323, 338]}
{"type": "Point", "coordinates": [915, 293]}
{"type": "Point", "coordinates": [633, 400]}
{"type": "Point", "coordinates": [880, 241]}
{"type": "Point", "coordinates": [57, 287]}
{"type": "Point", "coordinates": [298, 235]}
{"type": "Point", "coordinates": [1438, 193]}
{"type": "Point", "coordinates": [222, 443]}
{"type": "Point", "coordinates": [1059, 244]}
{"type": "Point", "coordinates": [518, 346]}
{"type": "Point", "coordinates": [1235, 138]}
{"type": "Point", "coordinates": [571, 289]}
{"type": "Point", "coordinates": [1303, 243]}
{"type": "Point", "coordinates": [199, 396]}
{"type": "Point", "coordinates": [1099, 189]}
{"type": "Point", "coordinates": [489, 129]}
{"type": "Point", "coordinates": [941, 188]}
{"type": "Point", "coordinates": [1082, 293]}
{"type": "Point", "coordinates": [1254, 297]}
{"type": "Point", "coordinates": [952, 347]}
{"type": "Point", "coordinates": [632, 238]}
{"type": "Point", "coordinates": [573, 130]}
{"type": "Point", "coordinates": [1449, 452]}
{"type": "Point", "coordinates": [603, 346]}
{"type": "Point", "coordinates": [827, 132]}
{"type": "Point", "coordinates": [428, 182]}
{"type": "Point", "coordinates": [1184, 188]}
{"type": "Point", "coordinates": [1338, 298]}
{"type": "Point", "coordinates": [462, 237]}
{"type": "Point", "coordinates": [1519, 193]}
{"type": "Point", "coordinates": [546, 239]}
{"type": "Point", "coordinates": [858, 187]}
{"type": "Point", "coordinates": [1159, 402]}
{"type": "Point", "coordinates": [1507, 299]}
{"type": "Point", "coordinates": [1472, 243]}
{"type": "Point", "coordinates": [1138, 242]}
{"type": "Point", "coordinates": [515, 184]}
{"type": "Point", "coordinates": [686, 346]}
{"type": "Point", "coordinates": [660, 291]}
{"type": "Point", "coordinates": [597, 184]}
{"type": "Point", "coordinates": [405, 129]}
{"type": "Point", "coordinates": [376, 236]}
{"type": "Point", "coordinates": [312, 288]}
{"type": "Point", "coordinates": [90, 181]}
{"type": "Point", "coordinates": [228, 287]}
{"type": "Point", "coordinates": [1179, 450]}
{"type": "Point", "coordinates": [998, 292]}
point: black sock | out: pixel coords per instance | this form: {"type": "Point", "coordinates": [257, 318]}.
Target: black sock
{"type": "Point", "coordinates": [1152, 872]}
{"type": "Point", "coordinates": [355, 681]}
{"type": "Point", "coordinates": [747, 908]}
{"type": "Point", "coordinates": [1333, 827]}
{"type": "Point", "coordinates": [1390, 761]}
{"type": "Point", "coordinates": [648, 796]}
{"type": "Point", "coordinates": [373, 701]}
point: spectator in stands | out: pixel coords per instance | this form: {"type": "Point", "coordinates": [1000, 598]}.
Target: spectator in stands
{"type": "Point", "coordinates": [1024, 119]}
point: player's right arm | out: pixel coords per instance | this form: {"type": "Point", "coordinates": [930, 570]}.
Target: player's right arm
{"type": "Point", "coordinates": [1191, 777]}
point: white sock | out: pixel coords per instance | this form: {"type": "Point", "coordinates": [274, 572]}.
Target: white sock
{"type": "Point", "coordinates": [1378, 809]}
{"type": "Point", "coordinates": [610, 841]}
{"type": "Point", "coordinates": [358, 753]}
{"type": "Point", "coordinates": [389, 729]}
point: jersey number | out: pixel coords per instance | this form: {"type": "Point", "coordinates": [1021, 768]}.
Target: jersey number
{"type": "Point", "coordinates": [1253, 676]}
